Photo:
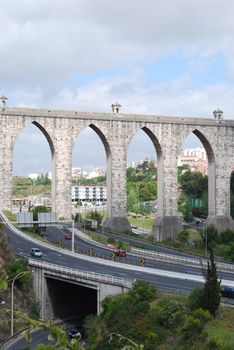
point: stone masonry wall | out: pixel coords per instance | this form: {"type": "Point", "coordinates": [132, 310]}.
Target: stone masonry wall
{"type": "Point", "coordinates": [61, 129]}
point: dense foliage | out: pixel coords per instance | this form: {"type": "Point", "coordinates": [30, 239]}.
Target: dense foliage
{"type": "Point", "coordinates": [212, 289]}
{"type": "Point", "coordinates": [145, 319]}
{"type": "Point", "coordinates": [22, 186]}
{"type": "Point", "coordinates": [95, 215]}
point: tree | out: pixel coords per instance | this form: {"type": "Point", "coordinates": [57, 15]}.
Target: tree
{"type": "Point", "coordinates": [94, 215]}
{"type": "Point", "coordinates": [211, 236]}
{"type": "Point", "coordinates": [187, 212]}
{"type": "Point", "coordinates": [212, 289]}
{"type": "Point", "coordinates": [133, 201]}
{"type": "Point", "coordinates": [39, 209]}
{"type": "Point", "coordinates": [193, 184]}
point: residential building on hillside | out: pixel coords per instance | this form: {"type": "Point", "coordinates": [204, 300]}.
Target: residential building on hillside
{"type": "Point", "coordinates": [95, 173]}
{"type": "Point", "coordinates": [197, 153]}
{"type": "Point", "coordinates": [195, 158]}
{"type": "Point", "coordinates": [33, 176]}
{"type": "Point", "coordinates": [79, 173]}
{"type": "Point", "coordinates": [135, 163]}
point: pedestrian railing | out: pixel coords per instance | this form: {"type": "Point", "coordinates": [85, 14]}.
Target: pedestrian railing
{"type": "Point", "coordinates": [89, 275]}
{"type": "Point", "coordinates": [180, 259]}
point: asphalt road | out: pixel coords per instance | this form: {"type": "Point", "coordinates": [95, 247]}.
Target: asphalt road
{"type": "Point", "coordinates": [22, 247]}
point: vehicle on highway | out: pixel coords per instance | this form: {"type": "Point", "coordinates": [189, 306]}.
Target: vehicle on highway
{"type": "Point", "coordinates": [36, 252]}
{"type": "Point", "coordinates": [68, 236]}
{"type": "Point", "coordinates": [74, 332]}
{"type": "Point", "coordinates": [228, 292]}
{"type": "Point", "coordinates": [120, 252]}
{"type": "Point", "coordinates": [134, 226]}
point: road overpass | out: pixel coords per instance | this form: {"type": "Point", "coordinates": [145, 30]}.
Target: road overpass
{"type": "Point", "coordinates": [64, 291]}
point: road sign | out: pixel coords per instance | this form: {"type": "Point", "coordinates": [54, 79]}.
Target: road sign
{"type": "Point", "coordinates": [90, 251]}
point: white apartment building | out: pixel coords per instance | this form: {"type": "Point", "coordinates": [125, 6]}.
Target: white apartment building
{"type": "Point", "coordinates": [89, 194]}
{"type": "Point", "coordinates": [33, 176]}
{"type": "Point", "coordinates": [196, 153]}
{"type": "Point", "coordinates": [79, 173]}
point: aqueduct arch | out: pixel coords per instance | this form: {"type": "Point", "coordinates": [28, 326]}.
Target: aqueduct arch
{"type": "Point", "coordinates": [166, 133]}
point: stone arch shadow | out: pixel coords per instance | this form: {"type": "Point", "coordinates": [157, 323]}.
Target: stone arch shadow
{"type": "Point", "coordinates": [211, 170]}
{"type": "Point", "coordinates": [52, 149]}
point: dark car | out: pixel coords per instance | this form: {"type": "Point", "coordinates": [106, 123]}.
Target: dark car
{"type": "Point", "coordinates": [74, 332]}
{"type": "Point", "coordinates": [120, 252]}
{"type": "Point", "coordinates": [68, 236]}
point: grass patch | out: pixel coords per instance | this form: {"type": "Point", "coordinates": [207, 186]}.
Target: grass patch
{"type": "Point", "coordinates": [10, 216]}
{"type": "Point", "coordinates": [194, 234]}
{"type": "Point", "coordinates": [144, 222]}
{"type": "Point", "coordinates": [222, 327]}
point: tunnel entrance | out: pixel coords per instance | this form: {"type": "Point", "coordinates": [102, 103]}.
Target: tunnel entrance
{"type": "Point", "coordinates": [70, 300]}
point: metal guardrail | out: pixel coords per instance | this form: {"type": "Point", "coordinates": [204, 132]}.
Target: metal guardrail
{"type": "Point", "coordinates": [181, 259]}
{"type": "Point", "coordinates": [81, 273]}
{"type": "Point", "coordinates": [161, 256]}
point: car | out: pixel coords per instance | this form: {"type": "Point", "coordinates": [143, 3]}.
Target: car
{"type": "Point", "coordinates": [74, 332]}
{"type": "Point", "coordinates": [68, 236]}
{"type": "Point", "coordinates": [36, 252]}
{"type": "Point", "coordinates": [120, 252]}
{"type": "Point", "coordinates": [134, 226]}
{"type": "Point", "coordinates": [2, 302]}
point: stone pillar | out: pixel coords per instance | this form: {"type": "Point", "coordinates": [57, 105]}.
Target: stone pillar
{"type": "Point", "coordinates": [6, 146]}
{"type": "Point", "coordinates": [116, 220]}
{"type": "Point", "coordinates": [219, 203]}
{"type": "Point", "coordinates": [167, 224]}
{"type": "Point", "coordinates": [62, 169]}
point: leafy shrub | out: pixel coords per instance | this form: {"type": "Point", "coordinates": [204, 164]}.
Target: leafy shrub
{"type": "Point", "coordinates": [35, 310]}
{"type": "Point", "coordinates": [151, 341]}
{"type": "Point", "coordinates": [16, 267]}
{"type": "Point", "coordinates": [183, 236]}
{"type": "Point", "coordinates": [111, 240]}
{"type": "Point", "coordinates": [215, 343]}
{"type": "Point", "coordinates": [229, 252]}
{"type": "Point", "coordinates": [211, 235]}
{"type": "Point", "coordinates": [226, 236]}
{"type": "Point", "coordinates": [202, 315]}
{"type": "Point", "coordinates": [173, 313]}
{"type": "Point", "coordinates": [143, 291]}
{"type": "Point", "coordinates": [195, 299]}
{"type": "Point", "coordinates": [95, 215]}
{"type": "Point", "coordinates": [89, 325]}
{"type": "Point", "coordinates": [192, 327]}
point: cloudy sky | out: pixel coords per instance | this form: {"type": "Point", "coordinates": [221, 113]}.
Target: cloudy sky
{"type": "Point", "coordinates": [173, 57]}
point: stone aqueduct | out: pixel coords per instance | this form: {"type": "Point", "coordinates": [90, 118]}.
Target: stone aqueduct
{"type": "Point", "coordinates": [61, 129]}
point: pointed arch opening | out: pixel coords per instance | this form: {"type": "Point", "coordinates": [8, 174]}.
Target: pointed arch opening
{"type": "Point", "coordinates": [144, 172]}
{"type": "Point", "coordinates": [91, 180]}
{"type": "Point", "coordinates": [196, 178]}
{"type": "Point", "coordinates": [33, 169]}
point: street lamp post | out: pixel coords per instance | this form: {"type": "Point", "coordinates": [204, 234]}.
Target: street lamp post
{"type": "Point", "coordinates": [206, 240]}
{"type": "Point", "coordinates": [73, 238]}
{"type": "Point", "coordinates": [12, 298]}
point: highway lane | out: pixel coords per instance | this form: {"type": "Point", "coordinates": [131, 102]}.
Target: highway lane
{"type": "Point", "coordinates": [53, 233]}
{"type": "Point", "coordinates": [22, 246]}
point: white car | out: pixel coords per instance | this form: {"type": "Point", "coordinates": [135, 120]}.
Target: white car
{"type": "Point", "coordinates": [36, 252]}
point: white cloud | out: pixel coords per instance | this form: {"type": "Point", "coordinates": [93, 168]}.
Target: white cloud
{"type": "Point", "coordinates": [47, 45]}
